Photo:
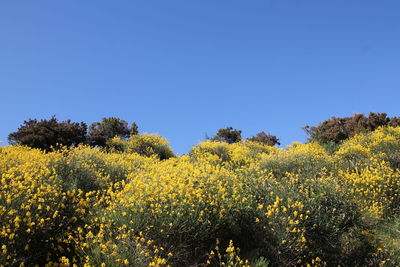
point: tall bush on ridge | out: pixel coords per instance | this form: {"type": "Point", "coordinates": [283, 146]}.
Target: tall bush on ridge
{"type": "Point", "coordinates": [228, 135]}
{"type": "Point", "coordinates": [265, 138]}
{"type": "Point", "coordinates": [108, 128]}
{"type": "Point", "coordinates": [336, 130]}
{"type": "Point", "coordinates": [47, 134]}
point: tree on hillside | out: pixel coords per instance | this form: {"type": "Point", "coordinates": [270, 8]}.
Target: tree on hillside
{"type": "Point", "coordinates": [338, 129]}
{"type": "Point", "coordinates": [394, 122]}
{"type": "Point", "coordinates": [228, 135]}
{"type": "Point", "coordinates": [49, 134]}
{"type": "Point", "coordinates": [108, 128]}
{"type": "Point", "coordinates": [265, 138]}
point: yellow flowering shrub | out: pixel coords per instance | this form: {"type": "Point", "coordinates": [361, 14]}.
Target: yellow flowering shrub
{"type": "Point", "coordinates": [144, 144]}
{"type": "Point", "coordinates": [236, 154]}
{"type": "Point", "coordinates": [37, 218]}
{"type": "Point", "coordinates": [134, 204]}
{"type": "Point", "coordinates": [383, 143]}
{"type": "Point", "coordinates": [376, 187]}
{"type": "Point", "coordinates": [89, 169]}
{"type": "Point", "coordinates": [306, 159]}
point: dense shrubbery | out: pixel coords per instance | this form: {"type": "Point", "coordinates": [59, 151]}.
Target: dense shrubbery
{"type": "Point", "coordinates": [49, 134]}
{"type": "Point", "coordinates": [145, 144]}
{"type": "Point", "coordinates": [230, 136]}
{"type": "Point", "coordinates": [307, 160]}
{"type": "Point", "coordinates": [336, 130]}
{"type": "Point", "coordinates": [122, 205]}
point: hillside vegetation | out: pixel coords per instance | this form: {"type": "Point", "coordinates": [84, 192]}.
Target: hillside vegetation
{"type": "Point", "coordinates": [134, 203]}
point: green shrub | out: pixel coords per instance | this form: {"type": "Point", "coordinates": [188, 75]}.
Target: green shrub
{"type": "Point", "coordinates": [220, 149]}
{"type": "Point", "coordinates": [339, 129]}
{"type": "Point", "coordinates": [147, 145]}
{"type": "Point", "coordinates": [228, 135]}
{"type": "Point", "coordinates": [387, 235]}
{"type": "Point", "coordinates": [307, 219]}
{"type": "Point", "coordinates": [305, 159]}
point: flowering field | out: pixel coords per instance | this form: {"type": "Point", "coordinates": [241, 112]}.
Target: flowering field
{"type": "Point", "coordinates": [242, 204]}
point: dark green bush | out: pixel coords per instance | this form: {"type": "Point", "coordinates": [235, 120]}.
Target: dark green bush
{"type": "Point", "coordinates": [49, 134]}
{"type": "Point", "coordinates": [338, 129]}
{"type": "Point", "coordinates": [228, 135]}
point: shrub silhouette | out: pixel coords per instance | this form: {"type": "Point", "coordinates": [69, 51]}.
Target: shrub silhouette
{"type": "Point", "coordinates": [49, 134]}
{"type": "Point", "coordinates": [338, 129]}
{"type": "Point", "coordinates": [228, 135]}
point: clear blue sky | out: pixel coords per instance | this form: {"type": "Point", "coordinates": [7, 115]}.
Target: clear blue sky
{"type": "Point", "coordinates": [186, 68]}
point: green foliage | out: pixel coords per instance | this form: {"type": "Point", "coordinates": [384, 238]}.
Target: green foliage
{"type": "Point", "coordinates": [330, 147]}
{"type": "Point", "coordinates": [49, 134]}
{"type": "Point", "coordinates": [228, 135]}
{"type": "Point", "coordinates": [108, 128]}
{"type": "Point", "coordinates": [260, 262]}
{"type": "Point", "coordinates": [88, 169]}
{"type": "Point", "coordinates": [145, 144]}
{"type": "Point", "coordinates": [308, 219]}
{"type": "Point", "coordinates": [388, 238]}
{"type": "Point", "coordinates": [219, 149]}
